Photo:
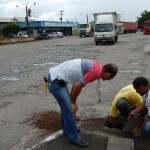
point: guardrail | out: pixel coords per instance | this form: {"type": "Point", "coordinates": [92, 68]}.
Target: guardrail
{"type": "Point", "coordinates": [16, 40]}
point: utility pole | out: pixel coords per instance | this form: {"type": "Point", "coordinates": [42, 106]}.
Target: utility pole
{"type": "Point", "coordinates": [61, 15]}
{"type": "Point", "coordinates": [119, 16]}
{"type": "Point", "coordinates": [27, 20]}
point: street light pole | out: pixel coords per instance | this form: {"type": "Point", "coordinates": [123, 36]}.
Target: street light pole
{"type": "Point", "coordinates": [26, 17]}
{"type": "Point", "coordinates": [87, 18]}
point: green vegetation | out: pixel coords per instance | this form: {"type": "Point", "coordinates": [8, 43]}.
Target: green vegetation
{"type": "Point", "coordinates": [9, 29]}
{"type": "Point", "coordinates": [144, 17]}
{"type": "Point", "coordinates": [75, 31]}
{"type": "Point", "coordinates": [1, 32]}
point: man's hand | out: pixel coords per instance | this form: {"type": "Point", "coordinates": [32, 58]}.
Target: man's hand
{"type": "Point", "coordinates": [74, 108]}
{"type": "Point", "coordinates": [136, 111]}
{"type": "Point", "coordinates": [137, 132]}
{"type": "Point", "coordinates": [132, 115]}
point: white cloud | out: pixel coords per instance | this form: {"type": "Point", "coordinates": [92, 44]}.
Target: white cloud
{"type": "Point", "coordinates": [48, 16]}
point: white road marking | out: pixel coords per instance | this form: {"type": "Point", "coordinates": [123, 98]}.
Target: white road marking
{"type": "Point", "coordinates": [48, 139]}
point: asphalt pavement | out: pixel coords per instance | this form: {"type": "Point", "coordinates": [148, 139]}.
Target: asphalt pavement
{"type": "Point", "coordinates": [99, 137]}
{"type": "Point", "coordinates": [23, 66]}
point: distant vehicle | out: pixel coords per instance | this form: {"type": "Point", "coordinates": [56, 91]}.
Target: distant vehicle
{"type": "Point", "coordinates": [12, 35]}
{"type": "Point", "coordinates": [42, 36]}
{"type": "Point", "coordinates": [146, 27]}
{"type": "Point", "coordinates": [56, 35]}
{"type": "Point", "coordinates": [22, 34]}
{"type": "Point", "coordinates": [127, 27]}
{"type": "Point", "coordinates": [85, 29]}
{"type": "Point", "coordinates": [106, 27]}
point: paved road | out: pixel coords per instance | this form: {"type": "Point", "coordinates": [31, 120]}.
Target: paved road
{"type": "Point", "coordinates": [23, 66]}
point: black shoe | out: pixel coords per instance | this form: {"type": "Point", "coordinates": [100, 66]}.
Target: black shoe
{"type": "Point", "coordinates": [78, 129]}
{"type": "Point", "coordinates": [81, 143]}
{"type": "Point", "coordinates": [65, 134]}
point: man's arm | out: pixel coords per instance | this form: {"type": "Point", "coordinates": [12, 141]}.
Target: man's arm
{"type": "Point", "coordinates": [113, 121]}
{"type": "Point", "coordinates": [136, 111]}
{"type": "Point", "coordinates": [137, 131]}
{"type": "Point", "coordinates": [75, 91]}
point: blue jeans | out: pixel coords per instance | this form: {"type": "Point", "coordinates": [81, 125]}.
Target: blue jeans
{"type": "Point", "coordinates": [68, 123]}
{"type": "Point", "coordinates": [147, 128]}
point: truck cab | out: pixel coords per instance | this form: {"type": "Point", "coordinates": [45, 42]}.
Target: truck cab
{"type": "Point", "coordinates": [120, 28]}
{"type": "Point", "coordinates": [85, 29]}
{"type": "Point", "coordinates": [146, 27]}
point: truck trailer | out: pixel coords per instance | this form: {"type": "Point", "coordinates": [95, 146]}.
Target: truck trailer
{"type": "Point", "coordinates": [127, 27]}
{"type": "Point", "coordinates": [85, 29]}
{"type": "Point", "coordinates": [146, 27]}
{"type": "Point", "coordinates": [106, 27]}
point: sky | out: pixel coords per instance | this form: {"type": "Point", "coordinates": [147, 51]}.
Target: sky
{"type": "Point", "coordinates": [73, 10]}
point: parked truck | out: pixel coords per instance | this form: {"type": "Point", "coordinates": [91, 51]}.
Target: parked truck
{"type": "Point", "coordinates": [146, 27]}
{"type": "Point", "coordinates": [85, 29]}
{"type": "Point", "coordinates": [127, 27]}
{"type": "Point", "coordinates": [106, 27]}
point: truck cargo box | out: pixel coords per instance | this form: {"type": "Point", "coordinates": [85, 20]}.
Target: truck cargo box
{"type": "Point", "coordinates": [105, 27]}
{"type": "Point", "coordinates": [128, 27]}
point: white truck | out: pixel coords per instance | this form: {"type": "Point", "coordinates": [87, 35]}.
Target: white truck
{"type": "Point", "coordinates": [106, 27]}
{"type": "Point", "coordinates": [85, 29]}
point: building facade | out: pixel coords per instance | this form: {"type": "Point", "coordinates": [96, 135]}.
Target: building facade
{"type": "Point", "coordinates": [37, 27]}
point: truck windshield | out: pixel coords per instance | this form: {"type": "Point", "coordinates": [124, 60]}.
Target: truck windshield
{"type": "Point", "coordinates": [120, 26]}
{"type": "Point", "coordinates": [146, 24]}
{"type": "Point", "coordinates": [103, 27]}
{"type": "Point", "coordinates": [83, 25]}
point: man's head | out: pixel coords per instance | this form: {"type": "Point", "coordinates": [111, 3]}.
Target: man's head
{"type": "Point", "coordinates": [141, 85]}
{"type": "Point", "coordinates": [110, 71]}
{"type": "Point", "coordinates": [122, 104]}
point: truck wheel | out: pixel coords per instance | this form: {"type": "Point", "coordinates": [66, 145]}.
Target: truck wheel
{"type": "Point", "coordinates": [116, 38]}
{"type": "Point", "coordinates": [113, 42]}
{"type": "Point", "coordinates": [96, 43]}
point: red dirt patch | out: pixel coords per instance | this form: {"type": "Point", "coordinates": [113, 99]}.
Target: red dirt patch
{"type": "Point", "coordinates": [48, 121]}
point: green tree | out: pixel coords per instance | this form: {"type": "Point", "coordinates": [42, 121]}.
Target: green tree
{"type": "Point", "coordinates": [1, 33]}
{"type": "Point", "coordinates": [10, 28]}
{"type": "Point", "coordinates": [144, 17]}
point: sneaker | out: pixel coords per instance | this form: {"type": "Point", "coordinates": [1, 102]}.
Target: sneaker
{"type": "Point", "coordinates": [81, 143]}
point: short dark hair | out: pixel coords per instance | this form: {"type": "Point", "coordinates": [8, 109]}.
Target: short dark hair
{"type": "Point", "coordinates": [122, 104]}
{"type": "Point", "coordinates": [111, 68]}
{"type": "Point", "coordinates": [140, 81]}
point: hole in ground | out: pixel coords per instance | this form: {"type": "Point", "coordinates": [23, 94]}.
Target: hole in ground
{"type": "Point", "coordinates": [119, 123]}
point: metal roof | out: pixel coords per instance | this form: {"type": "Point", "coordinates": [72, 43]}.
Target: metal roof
{"type": "Point", "coordinates": [33, 23]}
{"type": "Point", "coordinates": [15, 19]}
{"type": "Point", "coordinates": [3, 19]}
